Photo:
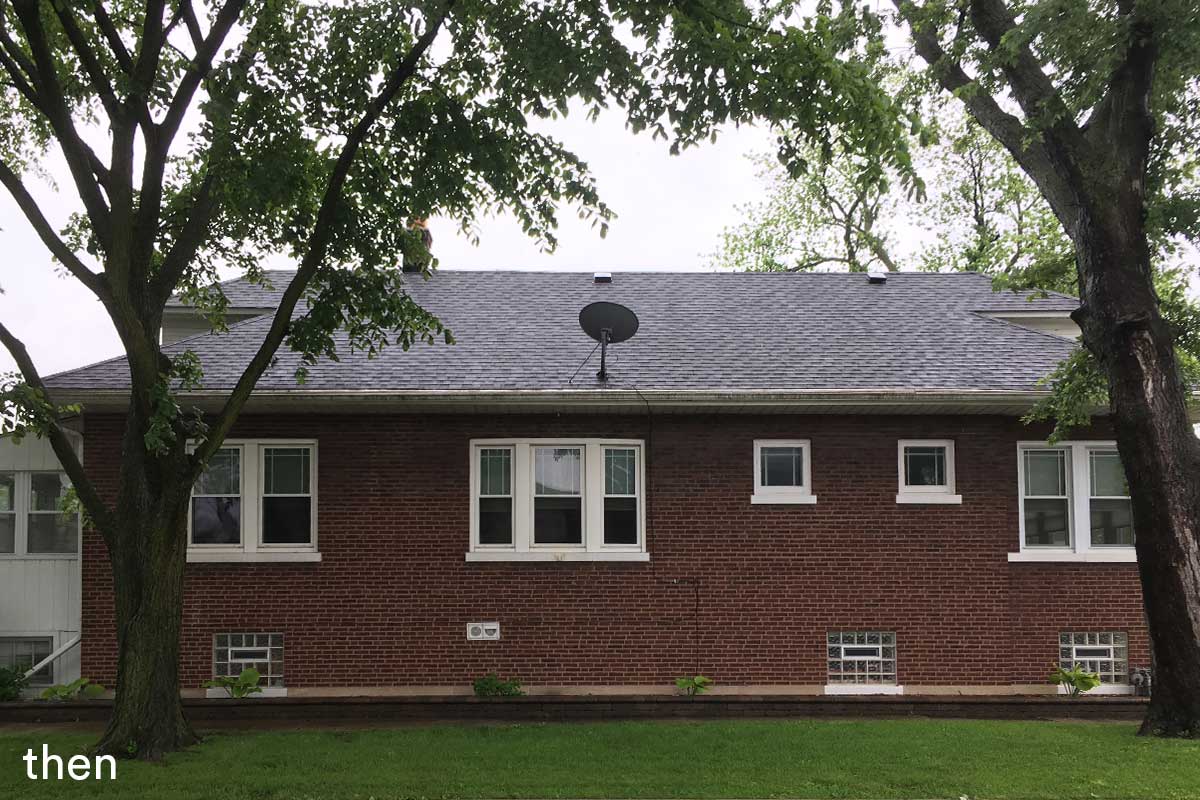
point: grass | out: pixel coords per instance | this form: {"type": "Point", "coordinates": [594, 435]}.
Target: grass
{"type": "Point", "coordinates": [712, 759]}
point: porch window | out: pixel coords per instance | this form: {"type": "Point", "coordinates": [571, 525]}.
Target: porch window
{"type": "Point", "coordinates": [35, 519]}
{"type": "Point", "coordinates": [24, 653]}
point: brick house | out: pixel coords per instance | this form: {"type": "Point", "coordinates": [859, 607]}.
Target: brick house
{"type": "Point", "coordinates": [794, 483]}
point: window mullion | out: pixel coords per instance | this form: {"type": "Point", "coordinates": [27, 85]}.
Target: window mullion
{"type": "Point", "coordinates": [522, 489]}
{"type": "Point", "coordinates": [22, 486]}
{"type": "Point", "coordinates": [1081, 533]}
{"type": "Point", "coordinates": [250, 485]}
{"type": "Point", "coordinates": [593, 497]}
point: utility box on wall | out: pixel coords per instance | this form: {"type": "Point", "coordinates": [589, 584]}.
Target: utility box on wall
{"type": "Point", "coordinates": [483, 631]}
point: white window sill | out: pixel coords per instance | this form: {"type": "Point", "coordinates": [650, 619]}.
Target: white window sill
{"type": "Point", "coordinates": [268, 691]}
{"type": "Point", "coordinates": [929, 498]}
{"type": "Point", "coordinates": [556, 555]}
{"type": "Point", "coordinates": [1103, 689]}
{"type": "Point", "coordinates": [783, 499]}
{"type": "Point", "coordinates": [863, 688]}
{"type": "Point", "coordinates": [1121, 555]}
{"type": "Point", "coordinates": [260, 557]}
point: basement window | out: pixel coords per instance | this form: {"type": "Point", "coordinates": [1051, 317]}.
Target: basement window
{"type": "Point", "coordinates": [234, 652]}
{"type": "Point", "coordinates": [551, 500]}
{"type": "Point", "coordinates": [256, 501]}
{"type": "Point", "coordinates": [24, 652]}
{"type": "Point", "coordinates": [1106, 654]}
{"type": "Point", "coordinates": [926, 470]}
{"type": "Point", "coordinates": [782, 471]}
{"type": "Point", "coordinates": [861, 658]}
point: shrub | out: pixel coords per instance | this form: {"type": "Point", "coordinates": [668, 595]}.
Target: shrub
{"type": "Point", "coordinates": [492, 686]}
{"type": "Point", "coordinates": [1075, 679]}
{"type": "Point", "coordinates": [12, 683]}
{"type": "Point", "coordinates": [240, 687]}
{"type": "Point", "coordinates": [692, 686]}
{"type": "Point", "coordinates": [72, 691]}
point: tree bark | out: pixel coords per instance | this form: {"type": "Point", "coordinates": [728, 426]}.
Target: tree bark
{"type": "Point", "coordinates": [1159, 449]}
{"type": "Point", "coordinates": [148, 556]}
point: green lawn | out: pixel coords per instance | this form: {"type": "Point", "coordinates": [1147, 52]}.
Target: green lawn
{"type": "Point", "coordinates": [743, 759]}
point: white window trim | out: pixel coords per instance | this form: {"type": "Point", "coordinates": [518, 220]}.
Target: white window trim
{"type": "Point", "coordinates": [22, 507]}
{"type": "Point", "coordinates": [944, 494]}
{"type": "Point", "coordinates": [783, 495]}
{"type": "Point", "coordinates": [523, 547]}
{"type": "Point", "coordinates": [1078, 508]}
{"type": "Point", "coordinates": [252, 549]}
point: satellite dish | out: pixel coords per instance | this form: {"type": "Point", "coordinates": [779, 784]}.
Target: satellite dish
{"type": "Point", "coordinates": [607, 323]}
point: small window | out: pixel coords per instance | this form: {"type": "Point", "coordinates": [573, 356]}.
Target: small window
{"type": "Point", "coordinates": [1106, 654]}
{"type": "Point", "coordinates": [287, 495]}
{"type": "Point", "coordinates": [8, 512]}
{"type": "Point", "coordinates": [1109, 506]}
{"type": "Point", "coordinates": [234, 652]}
{"type": "Point", "coordinates": [495, 496]}
{"type": "Point", "coordinates": [861, 657]}
{"type": "Point", "coordinates": [926, 470]}
{"type": "Point", "coordinates": [782, 471]}
{"type": "Point", "coordinates": [620, 495]}
{"type": "Point", "coordinates": [558, 495]}
{"type": "Point", "coordinates": [217, 500]}
{"type": "Point", "coordinates": [1045, 497]}
{"type": "Point", "coordinates": [25, 653]}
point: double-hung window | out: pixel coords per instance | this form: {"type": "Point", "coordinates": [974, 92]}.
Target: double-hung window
{"type": "Point", "coordinates": [256, 501]}
{"type": "Point", "coordinates": [36, 519]}
{"type": "Point", "coordinates": [926, 470]}
{"type": "Point", "coordinates": [1074, 503]}
{"type": "Point", "coordinates": [782, 471]}
{"type": "Point", "coordinates": [551, 500]}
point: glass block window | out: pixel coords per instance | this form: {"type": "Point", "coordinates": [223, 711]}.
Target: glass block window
{"type": "Point", "coordinates": [287, 495]}
{"type": "Point", "coordinates": [23, 653]}
{"type": "Point", "coordinates": [620, 495]}
{"type": "Point", "coordinates": [234, 652]}
{"type": "Point", "coordinates": [867, 657]}
{"type": "Point", "coordinates": [495, 495]}
{"type": "Point", "coordinates": [1108, 502]}
{"type": "Point", "coordinates": [217, 500]}
{"type": "Point", "coordinates": [1045, 497]}
{"type": "Point", "coordinates": [1106, 654]}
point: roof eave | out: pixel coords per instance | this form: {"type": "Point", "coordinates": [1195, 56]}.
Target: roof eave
{"type": "Point", "coordinates": [912, 401]}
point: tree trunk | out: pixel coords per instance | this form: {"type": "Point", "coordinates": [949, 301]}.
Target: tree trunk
{"type": "Point", "coordinates": [1159, 449]}
{"type": "Point", "coordinates": [148, 561]}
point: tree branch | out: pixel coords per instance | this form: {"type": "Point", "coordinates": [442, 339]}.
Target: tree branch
{"type": "Point", "coordinates": [93, 281]}
{"type": "Point", "coordinates": [1122, 117]}
{"type": "Point", "coordinates": [106, 26]}
{"type": "Point", "coordinates": [89, 60]}
{"type": "Point", "coordinates": [80, 158]}
{"type": "Point", "coordinates": [95, 506]}
{"type": "Point", "coordinates": [318, 241]}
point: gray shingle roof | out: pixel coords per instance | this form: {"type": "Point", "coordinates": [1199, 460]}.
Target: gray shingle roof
{"type": "Point", "coordinates": [699, 331]}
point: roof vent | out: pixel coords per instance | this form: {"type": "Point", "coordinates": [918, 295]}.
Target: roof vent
{"type": "Point", "coordinates": [877, 276]}
{"type": "Point", "coordinates": [602, 277]}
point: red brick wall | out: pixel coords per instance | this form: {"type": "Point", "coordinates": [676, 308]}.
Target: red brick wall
{"type": "Point", "coordinates": [743, 593]}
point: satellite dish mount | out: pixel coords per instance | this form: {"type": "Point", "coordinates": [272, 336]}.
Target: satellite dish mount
{"type": "Point", "coordinates": [607, 323]}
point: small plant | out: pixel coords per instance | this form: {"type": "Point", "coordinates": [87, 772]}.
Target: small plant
{"type": "Point", "coordinates": [82, 688]}
{"type": "Point", "coordinates": [694, 685]}
{"type": "Point", "coordinates": [12, 683]}
{"type": "Point", "coordinates": [240, 687]}
{"type": "Point", "coordinates": [492, 686]}
{"type": "Point", "coordinates": [1075, 679]}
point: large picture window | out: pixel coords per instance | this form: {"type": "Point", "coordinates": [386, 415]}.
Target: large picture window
{"type": "Point", "coordinates": [1074, 503]}
{"type": "Point", "coordinates": [255, 500]}
{"type": "Point", "coordinates": [540, 499]}
{"type": "Point", "coordinates": [36, 517]}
